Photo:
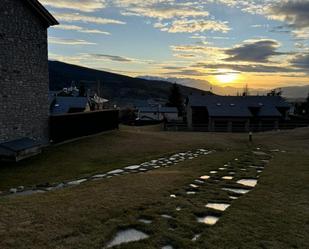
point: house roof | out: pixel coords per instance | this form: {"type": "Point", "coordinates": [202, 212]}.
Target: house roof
{"type": "Point", "coordinates": [149, 109]}
{"type": "Point", "coordinates": [63, 105]}
{"type": "Point", "coordinates": [239, 106]}
{"type": "Point", "coordinates": [42, 12]}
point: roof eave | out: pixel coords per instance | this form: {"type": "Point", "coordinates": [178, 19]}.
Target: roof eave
{"type": "Point", "coordinates": [43, 12]}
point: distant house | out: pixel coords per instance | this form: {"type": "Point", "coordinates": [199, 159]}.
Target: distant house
{"type": "Point", "coordinates": [97, 102]}
{"type": "Point", "coordinates": [157, 113]}
{"type": "Point", "coordinates": [69, 104]}
{"type": "Point", "coordinates": [24, 79]}
{"type": "Point", "coordinates": [235, 113]}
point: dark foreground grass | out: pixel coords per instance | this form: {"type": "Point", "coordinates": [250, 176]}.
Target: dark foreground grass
{"type": "Point", "coordinates": [274, 215]}
{"type": "Point", "coordinates": [102, 153]}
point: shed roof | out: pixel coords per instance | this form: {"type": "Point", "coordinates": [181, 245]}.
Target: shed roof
{"type": "Point", "coordinates": [64, 104]}
{"type": "Point", "coordinates": [149, 109]}
{"type": "Point", "coordinates": [42, 12]}
{"type": "Point", "coordinates": [239, 106]}
{"type": "Point", "coordinates": [20, 144]}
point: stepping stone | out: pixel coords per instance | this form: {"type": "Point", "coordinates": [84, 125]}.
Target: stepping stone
{"type": "Point", "coordinates": [199, 181]}
{"type": "Point", "coordinates": [166, 216]}
{"type": "Point", "coordinates": [204, 177]}
{"type": "Point", "coordinates": [133, 167]}
{"type": "Point", "coordinates": [117, 171]}
{"type": "Point", "coordinates": [259, 153]}
{"type": "Point", "coordinates": [173, 196]}
{"type": "Point", "coordinates": [77, 182]}
{"type": "Point", "coordinates": [178, 209]}
{"type": "Point", "coordinates": [13, 190]}
{"type": "Point", "coordinates": [167, 247]}
{"type": "Point", "coordinates": [218, 206]}
{"type": "Point", "coordinates": [191, 193]}
{"type": "Point", "coordinates": [227, 177]}
{"type": "Point", "coordinates": [127, 236]}
{"type": "Point", "coordinates": [145, 221]}
{"type": "Point", "coordinates": [208, 220]}
{"type": "Point", "coordinates": [194, 186]}
{"type": "Point", "coordinates": [275, 150]}
{"type": "Point", "coordinates": [196, 237]}
{"type": "Point", "coordinates": [237, 190]}
{"type": "Point", "coordinates": [248, 182]}
{"type": "Point", "coordinates": [213, 172]}
{"type": "Point", "coordinates": [99, 176]}
{"type": "Point", "coordinates": [233, 197]}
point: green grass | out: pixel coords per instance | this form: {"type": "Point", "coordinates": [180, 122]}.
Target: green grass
{"type": "Point", "coordinates": [273, 215]}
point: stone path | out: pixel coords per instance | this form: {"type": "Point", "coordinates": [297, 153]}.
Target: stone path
{"type": "Point", "coordinates": [163, 162]}
{"type": "Point", "coordinates": [234, 179]}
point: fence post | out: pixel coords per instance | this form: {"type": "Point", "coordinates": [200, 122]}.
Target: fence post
{"type": "Point", "coordinates": [250, 136]}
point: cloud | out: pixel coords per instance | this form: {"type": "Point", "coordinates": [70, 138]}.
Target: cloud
{"type": "Point", "coordinates": [114, 58]}
{"type": "Point", "coordinates": [160, 9]}
{"type": "Point", "coordinates": [81, 5]}
{"type": "Point", "coordinates": [88, 59]}
{"type": "Point", "coordinates": [76, 17]}
{"type": "Point", "coordinates": [248, 68]}
{"type": "Point", "coordinates": [111, 57]}
{"type": "Point", "coordinates": [294, 12]}
{"type": "Point", "coordinates": [301, 61]}
{"type": "Point", "coordinates": [185, 56]}
{"type": "Point", "coordinates": [193, 26]}
{"type": "Point", "coordinates": [72, 42]}
{"type": "Point", "coordinates": [168, 12]}
{"type": "Point", "coordinates": [302, 34]}
{"type": "Point", "coordinates": [81, 29]}
{"type": "Point", "coordinates": [254, 51]}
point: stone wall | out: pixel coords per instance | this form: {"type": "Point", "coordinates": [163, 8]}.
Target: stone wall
{"type": "Point", "coordinates": [24, 80]}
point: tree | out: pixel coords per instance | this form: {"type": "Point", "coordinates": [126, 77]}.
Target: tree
{"type": "Point", "coordinates": [175, 98]}
{"type": "Point", "coordinates": [275, 92]}
{"type": "Point", "coordinates": [246, 91]}
{"type": "Point", "coordinates": [82, 91]}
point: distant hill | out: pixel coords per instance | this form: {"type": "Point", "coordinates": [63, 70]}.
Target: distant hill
{"type": "Point", "coordinates": [121, 90]}
{"type": "Point", "coordinates": [292, 92]}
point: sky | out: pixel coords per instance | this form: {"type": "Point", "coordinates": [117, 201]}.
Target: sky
{"type": "Point", "coordinates": [261, 43]}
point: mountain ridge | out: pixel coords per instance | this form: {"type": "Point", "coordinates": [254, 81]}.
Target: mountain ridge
{"type": "Point", "coordinates": [119, 89]}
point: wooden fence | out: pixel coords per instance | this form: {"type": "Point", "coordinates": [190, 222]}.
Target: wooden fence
{"type": "Point", "coordinates": [70, 126]}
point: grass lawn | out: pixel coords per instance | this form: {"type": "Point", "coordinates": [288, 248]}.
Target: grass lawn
{"type": "Point", "coordinates": [103, 153]}
{"type": "Point", "coordinates": [273, 215]}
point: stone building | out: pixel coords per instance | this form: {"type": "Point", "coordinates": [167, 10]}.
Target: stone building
{"type": "Point", "coordinates": [24, 79]}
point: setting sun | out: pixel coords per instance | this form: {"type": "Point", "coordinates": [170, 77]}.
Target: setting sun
{"type": "Point", "coordinates": [227, 77]}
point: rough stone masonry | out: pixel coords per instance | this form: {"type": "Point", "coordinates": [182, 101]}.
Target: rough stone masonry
{"type": "Point", "coordinates": [24, 79]}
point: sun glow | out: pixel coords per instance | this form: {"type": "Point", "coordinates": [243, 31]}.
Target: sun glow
{"type": "Point", "coordinates": [227, 78]}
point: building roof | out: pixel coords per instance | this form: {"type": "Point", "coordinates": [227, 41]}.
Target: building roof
{"type": "Point", "coordinates": [63, 105]}
{"type": "Point", "coordinates": [239, 106]}
{"type": "Point", "coordinates": [42, 12]}
{"type": "Point", "coordinates": [149, 109]}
